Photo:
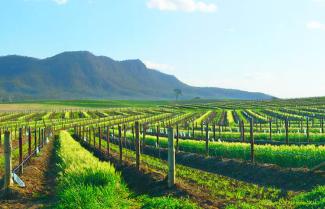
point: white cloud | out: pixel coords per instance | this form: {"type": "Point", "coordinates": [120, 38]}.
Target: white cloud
{"type": "Point", "coordinates": [158, 66]}
{"type": "Point", "coordinates": [61, 2]}
{"type": "Point", "coordinates": [182, 5]}
{"type": "Point", "coordinates": [313, 25]}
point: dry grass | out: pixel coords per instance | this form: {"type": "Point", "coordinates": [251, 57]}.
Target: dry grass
{"type": "Point", "coordinates": [33, 107]}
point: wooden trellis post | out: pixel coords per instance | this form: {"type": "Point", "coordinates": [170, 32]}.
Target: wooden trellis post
{"type": "Point", "coordinates": [35, 138]}
{"type": "Point", "coordinates": [100, 138]}
{"type": "Point", "coordinates": [124, 138]}
{"type": "Point", "coordinates": [308, 130]}
{"type": "Point", "coordinates": [177, 136]}
{"type": "Point", "coordinates": [157, 136]}
{"type": "Point", "coordinates": [240, 130]}
{"type": "Point", "coordinates": [143, 136]}
{"type": "Point", "coordinates": [171, 158]}
{"type": "Point", "coordinates": [88, 135]}
{"type": "Point", "coordinates": [120, 142]}
{"type": "Point", "coordinates": [83, 132]}
{"type": "Point", "coordinates": [43, 134]}
{"type": "Point", "coordinates": [243, 129]}
{"type": "Point", "coordinates": [8, 163]}
{"type": "Point", "coordinates": [39, 138]}
{"type": "Point", "coordinates": [207, 139]}
{"type": "Point", "coordinates": [193, 131]}
{"type": "Point", "coordinates": [20, 138]}
{"type": "Point", "coordinates": [201, 137]}
{"type": "Point", "coordinates": [287, 130]}
{"type": "Point", "coordinates": [252, 139]}
{"type": "Point", "coordinates": [94, 135]}
{"type": "Point", "coordinates": [29, 142]}
{"type": "Point", "coordinates": [270, 122]}
{"type": "Point", "coordinates": [137, 145]}
{"type": "Point", "coordinates": [214, 132]}
{"type": "Point", "coordinates": [108, 141]}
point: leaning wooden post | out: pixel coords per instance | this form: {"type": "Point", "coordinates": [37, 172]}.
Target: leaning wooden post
{"type": "Point", "coordinates": [207, 139]}
{"type": "Point", "coordinates": [252, 139]}
{"type": "Point", "coordinates": [287, 130]}
{"type": "Point", "coordinates": [20, 150]}
{"type": "Point", "coordinates": [8, 166]}
{"type": "Point", "coordinates": [137, 145]}
{"type": "Point", "coordinates": [171, 158]}
{"type": "Point", "coordinates": [120, 142]}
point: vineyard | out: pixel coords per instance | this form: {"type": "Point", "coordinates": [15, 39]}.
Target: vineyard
{"type": "Point", "coordinates": [211, 154]}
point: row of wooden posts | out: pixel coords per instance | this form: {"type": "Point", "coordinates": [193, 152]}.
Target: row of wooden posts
{"type": "Point", "coordinates": [39, 141]}
{"type": "Point", "coordinates": [82, 134]}
{"type": "Point", "coordinates": [251, 128]}
{"type": "Point", "coordinates": [172, 147]}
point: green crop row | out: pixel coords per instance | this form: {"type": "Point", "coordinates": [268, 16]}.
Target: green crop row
{"type": "Point", "coordinates": [231, 193]}
{"type": "Point", "coordinates": [285, 156]}
{"type": "Point", "coordinates": [86, 182]}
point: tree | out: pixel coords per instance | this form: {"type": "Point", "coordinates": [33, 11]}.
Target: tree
{"type": "Point", "coordinates": [177, 92]}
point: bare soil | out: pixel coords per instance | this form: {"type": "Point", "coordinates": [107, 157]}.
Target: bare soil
{"type": "Point", "coordinates": [39, 177]}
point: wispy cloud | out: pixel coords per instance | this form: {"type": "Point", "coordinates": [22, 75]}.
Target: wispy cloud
{"type": "Point", "coordinates": [61, 2]}
{"type": "Point", "coordinates": [314, 25]}
{"type": "Point", "coordinates": [182, 5]}
{"type": "Point", "coordinates": [159, 66]}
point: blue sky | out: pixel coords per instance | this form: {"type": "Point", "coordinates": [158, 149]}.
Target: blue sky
{"type": "Point", "coordinates": [272, 46]}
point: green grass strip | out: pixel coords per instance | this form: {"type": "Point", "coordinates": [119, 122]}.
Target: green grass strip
{"type": "Point", "coordinates": [86, 182]}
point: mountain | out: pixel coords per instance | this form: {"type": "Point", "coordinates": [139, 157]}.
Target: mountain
{"type": "Point", "coordinates": [81, 75]}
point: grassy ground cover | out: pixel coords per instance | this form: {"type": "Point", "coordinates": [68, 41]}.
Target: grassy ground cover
{"type": "Point", "coordinates": [86, 182]}
{"type": "Point", "coordinates": [285, 156]}
{"type": "Point", "coordinates": [232, 193]}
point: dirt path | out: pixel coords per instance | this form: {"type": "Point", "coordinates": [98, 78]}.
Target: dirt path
{"type": "Point", "coordinates": [39, 177]}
